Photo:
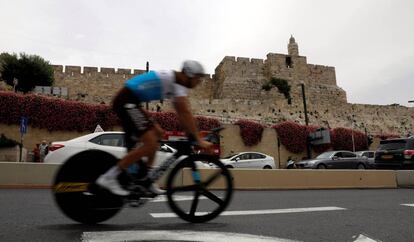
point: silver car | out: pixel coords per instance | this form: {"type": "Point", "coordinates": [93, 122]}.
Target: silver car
{"type": "Point", "coordinates": [339, 159]}
{"type": "Point", "coordinates": [252, 160]}
{"type": "Point", "coordinates": [370, 155]}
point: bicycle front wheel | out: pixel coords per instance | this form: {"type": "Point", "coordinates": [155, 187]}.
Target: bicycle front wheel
{"type": "Point", "coordinates": [199, 195]}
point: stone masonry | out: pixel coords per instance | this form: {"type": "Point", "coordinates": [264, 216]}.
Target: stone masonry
{"type": "Point", "coordinates": [235, 92]}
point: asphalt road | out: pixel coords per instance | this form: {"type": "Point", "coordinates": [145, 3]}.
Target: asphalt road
{"type": "Point", "coordinates": [358, 215]}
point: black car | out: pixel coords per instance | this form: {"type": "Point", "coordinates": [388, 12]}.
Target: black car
{"type": "Point", "coordinates": [340, 159]}
{"type": "Point", "coordinates": [395, 154]}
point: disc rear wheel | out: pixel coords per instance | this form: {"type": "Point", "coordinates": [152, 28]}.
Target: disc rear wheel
{"type": "Point", "coordinates": [73, 183]}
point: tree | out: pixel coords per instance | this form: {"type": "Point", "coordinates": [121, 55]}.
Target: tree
{"type": "Point", "coordinates": [29, 70]}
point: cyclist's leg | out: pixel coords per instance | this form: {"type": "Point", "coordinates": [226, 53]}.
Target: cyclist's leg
{"type": "Point", "coordinates": [148, 148]}
{"type": "Point", "coordinates": [135, 122]}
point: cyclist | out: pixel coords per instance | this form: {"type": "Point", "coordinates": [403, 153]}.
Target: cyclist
{"type": "Point", "coordinates": [139, 128]}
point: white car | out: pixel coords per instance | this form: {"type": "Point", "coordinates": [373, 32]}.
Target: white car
{"type": "Point", "coordinates": [252, 160]}
{"type": "Point", "coordinates": [108, 141]}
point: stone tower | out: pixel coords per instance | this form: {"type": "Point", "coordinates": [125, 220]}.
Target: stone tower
{"type": "Point", "coordinates": [293, 49]}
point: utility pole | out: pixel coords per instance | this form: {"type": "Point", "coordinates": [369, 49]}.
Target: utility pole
{"type": "Point", "coordinates": [308, 148]}
{"type": "Point", "coordinates": [147, 70]}
{"type": "Point", "coordinates": [15, 83]}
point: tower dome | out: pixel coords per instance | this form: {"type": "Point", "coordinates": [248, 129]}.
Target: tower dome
{"type": "Point", "coordinates": [293, 48]}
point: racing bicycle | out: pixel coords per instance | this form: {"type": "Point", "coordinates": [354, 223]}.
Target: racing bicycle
{"type": "Point", "coordinates": [207, 192]}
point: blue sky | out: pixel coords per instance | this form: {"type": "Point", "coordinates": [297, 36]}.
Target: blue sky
{"type": "Point", "coordinates": [369, 42]}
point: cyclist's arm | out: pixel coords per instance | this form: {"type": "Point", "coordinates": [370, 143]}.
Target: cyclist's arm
{"type": "Point", "coordinates": [186, 118]}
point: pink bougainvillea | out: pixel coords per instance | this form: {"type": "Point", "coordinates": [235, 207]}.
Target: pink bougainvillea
{"type": "Point", "coordinates": [169, 121]}
{"type": "Point", "coordinates": [341, 139]}
{"type": "Point", "coordinates": [57, 114]}
{"type": "Point", "coordinates": [292, 135]}
{"type": "Point", "coordinates": [251, 132]}
{"type": "Point", "coordinates": [54, 114]}
{"type": "Point", "coordinates": [385, 136]}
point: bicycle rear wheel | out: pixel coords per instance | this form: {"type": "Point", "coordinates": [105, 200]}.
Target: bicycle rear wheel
{"type": "Point", "coordinates": [209, 190]}
{"type": "Point", "coordinates": [73, 183]}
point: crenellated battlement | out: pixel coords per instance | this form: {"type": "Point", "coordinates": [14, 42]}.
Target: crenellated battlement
{"type": "Point", "coordinates": [100, 70]}
{"type": "Point", "coordinates": [91, 70]}
{"type": "Point", "coordinates": [241, 60]}
{"type": "Point", "coordinates": [235, 91]}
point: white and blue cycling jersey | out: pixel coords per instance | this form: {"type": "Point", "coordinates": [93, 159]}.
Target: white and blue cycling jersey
{"type": "Point", "coordinates": [155, 85]}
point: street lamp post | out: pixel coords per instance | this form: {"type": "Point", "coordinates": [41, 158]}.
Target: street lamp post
{"type": "Point", "coordinates": [308, 150]}
{"type": "Point", "coordinates": [147, 70]}
{"type": "Point", "coordinates": [304, 103]}
{"type": "Point", "coordinates": [352, 131]}
{"type": "Point", "coordinates": [15, 83]}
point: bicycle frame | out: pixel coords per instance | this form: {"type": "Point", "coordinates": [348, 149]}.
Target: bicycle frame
{"type": "Point", "coordinates": [184, 147]}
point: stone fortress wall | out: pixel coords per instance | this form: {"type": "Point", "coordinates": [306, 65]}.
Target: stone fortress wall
{"type": "Point", "coordinates": [235, 91]}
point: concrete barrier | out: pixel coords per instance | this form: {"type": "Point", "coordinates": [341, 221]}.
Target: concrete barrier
{"type": "Point", "coordinates": [27, 175]}
{"type": "Point", "coordinates": [304, 179]}
{"type": "Point", "coordinates": [405, 178]}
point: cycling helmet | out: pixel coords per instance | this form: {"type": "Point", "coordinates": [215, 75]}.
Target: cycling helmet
{"type": "Point", "coordinates": [192, 68]}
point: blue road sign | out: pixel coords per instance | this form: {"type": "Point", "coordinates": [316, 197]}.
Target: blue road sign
{"type": "Point", "coordinates": [23, 125]}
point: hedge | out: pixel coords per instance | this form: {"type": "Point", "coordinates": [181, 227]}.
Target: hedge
{"type": "Point", "coordinates": [169, 121]}
{"type": "Point", "coordinates": [387, 136]}
{"type": "Point", "coordinates": [56, 114]}
{"type": "Point", "coordinates": [293, 136]}
{"type": "Point", "coordinates": [251, 132]}
{"type": "Point", "coordinates": [341, 139]}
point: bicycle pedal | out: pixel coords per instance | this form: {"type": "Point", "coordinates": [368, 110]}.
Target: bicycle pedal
{"type": "Point", "coordinates": [88, 193]}
{"type": "Point", "coordinates": [149, 195]}
{"type": "Point", "coordinates": [135, 203]}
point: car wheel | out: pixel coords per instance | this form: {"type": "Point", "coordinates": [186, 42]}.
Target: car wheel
{"type": "Point", "coordinates": [229, 167]}
{"type": "Point", "coordinates": [321, 166]}
{"type": "Point", "coordinates": [267, 167]}
{"type": "Point", "coordinates": [361, 166]}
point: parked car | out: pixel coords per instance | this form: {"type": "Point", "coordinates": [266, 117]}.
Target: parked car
{"type": "Point", "coordinates": [109, 141]}
{"type": "Point", "coordinates": [395, 153]}
{"type": "Point", "coordinates": [252, 160]}
{"type": "Point", "coordinates": [369, 154]}
{"type": "Point", "coordinates": [340, 159]}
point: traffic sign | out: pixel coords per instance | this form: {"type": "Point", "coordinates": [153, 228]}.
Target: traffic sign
{"type": "Point", "coordinates": [23, 125]}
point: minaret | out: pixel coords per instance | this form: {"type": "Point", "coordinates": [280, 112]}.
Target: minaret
{"type": "Point", "coordinates": [293, 49]}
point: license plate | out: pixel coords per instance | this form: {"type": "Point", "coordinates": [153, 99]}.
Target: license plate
{"type": "Point", "coordinates": [386, 157]}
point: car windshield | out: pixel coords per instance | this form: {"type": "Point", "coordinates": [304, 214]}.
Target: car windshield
{"type": "Point", "coordinates": [394, 145]}
{"type": "Point", "coordinates": [229, 156]}
{"type": "Point", "coordinates": [325, 155]}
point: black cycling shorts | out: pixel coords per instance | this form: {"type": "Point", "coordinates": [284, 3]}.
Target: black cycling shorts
{"type": "Point", "coordinates": [134, 120]}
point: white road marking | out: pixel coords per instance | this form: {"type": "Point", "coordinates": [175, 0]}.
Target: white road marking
{"type": "Point", "coordinates": [163, 198]}
{"type": "Point", "coordinates": [257, 212]}
{"type": "Point", "coordinates": [363, 238]}
{"type": "Point", "coordinates": [408, 204]}
{"type": "Point", "coordinates": [176, 235]}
